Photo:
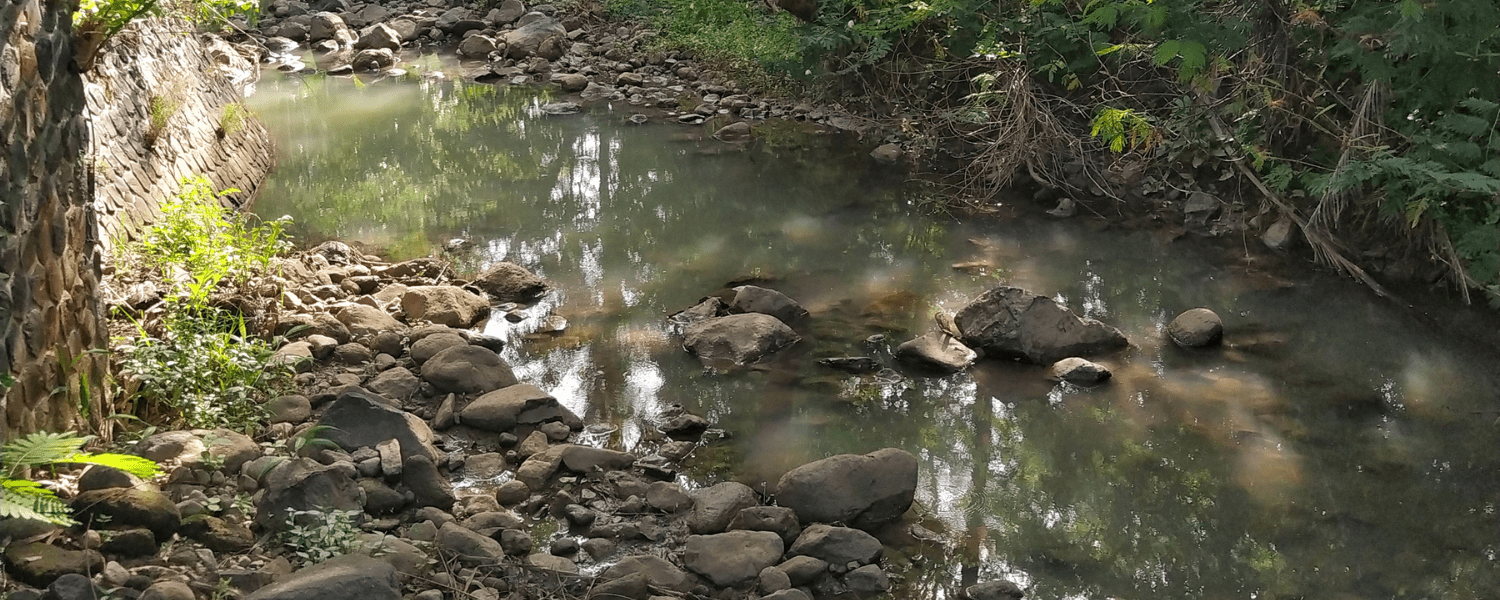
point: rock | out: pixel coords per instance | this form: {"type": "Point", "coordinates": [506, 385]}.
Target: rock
{"type": "Point", "coordinates": [494, 519]}
{"type": "Point", "coordinates": [131, 543]}
{"type": "Point", "coordinates": [380, 499]}
{"type": "Point", "coordinates": [657, 571]}
{"type": "Point", "coordinates": [803, 570]}
{"type": "Point", "coordinates": [857, 365]}
{"type": "Point", "coordinates": [509, 11]}
{"type": "Point", "coordinates": [292, 30]}
{"type": "Point", "coordinates": [837, 545]}
{"type": "Point", "coordinates": [714, 507]}
{"type": "Point", "coordinates": [994, 590]}
{"type": "Point", "coordinates": [424, 349]}
{"type": "Point", "coordinates": [389, 454]}
{"type": "Point", "coordinates": [469, 547]}
{"type": "Point", "coordinates": [791, 594]}
{"type": "Point", "coordinates": [538, 469]}
{"type": "Point", "coordinates": [100, 477]}
{"type": "Point", "coordinates": [668, 497]}
{"type": "Point", "coordinates": [373, 59]}
{"type": "Point", "coordinates": [752, 299]}
{"type": "Point", "coordinates": [351, 355]}
{"type": "Point", "coordinates": [477, 46]}
{"type": "Point", "coordinates": [297, 355]}
{"type": "Point", "coordinates": [520, 404]}
{"type": "Point", "coordinates": [1196, 328]}
{"type": "Point", "coordinates": [40, 564]}
{"type": "Point", "coordinates": [1199, 208]}
{"type": "Point", "coordinates": [219, 535]}
{"type": "Point", "coordinates": [741, 339]}
{"type": "Point", "coordinates": [887, 154]}
{"type": "Point", "coordinates": [396, 383]}
{"type": "Point", "coordinates": [709, 308]}
{"type": "Point", "coordinates": [936, 351]}
{"type": "Point", "coordinates": [543, 37]}
{"type": "Point", "coordinates": [633, 587]}
{"type": "Point", "coordinates": [629, 79]}
{"type": "Point", "coordinates": [329, 26]}
{"type": "Point", "coordinates": [1078, 370]}
{"type": "Point", "coordinates": [303, 484]}
{"type": "Point", "coordinates": [1065, 208]}
{"type": "Point", "coordinates": [560, 108]}
{"type": "Point", "coordinates": [168, 590]}
{"type": "Point", "coordinates": [445, 304]}
{"type": "Point", "coordinates": [570, 82]}
{"type": "Point", "coordinates": [732, 558]}
{"type": "Point", "coordinates": [515, 542]}
{"type": "Point", "coordinates": [512, 492]}
{"type": "Point", "coordinates": [509, 282]}
{"type": "Point", "coordinates": [350, 577]}
{"type": "Point", "coordinates": [467, 370]}
{"type": "Point", "coordinates": [552, 563]}
{"type": "Point", "coordinates": [684, 426]}
{"type": "Point", "coordinates": [864, 491]}
{"type": "Point", "coordinates": [868, 580]}
{"type": "Point", "coordinates": [776, 519]}
{"type": "Point", "coordinates": [588, 459]}
{"type": "Point", "coordinates": [428, 485]}
{"type": "Point", "coordinates": [379, 36]}
{"type": "Point", "coordinates": [1280, 235]}
{"type": "Point", "coordinates": [734, 132]}
{"type": "Point", "coordinates": [129, 506]}
{"type": "Point", "coordinates": [1010, 322]}
{"type": "Point", "coordinates": [358, 419]}
{"type": "Point", "coordinates": [772, 580]}
{"type": "Point", "coordinates": [290, 409]}
{"type": "Point", "coordinates": [367, 320]}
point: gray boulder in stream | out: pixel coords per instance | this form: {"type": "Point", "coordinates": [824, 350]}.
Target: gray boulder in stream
{"type": "Point", "coordinates": [753, 299]}
{"type": "Point", "coordinates": [1010, 322]}
{"type": "Point", "coordinates": [741, 339]}
{"type": "Point", "coordinates": [510, 282]}
{"type": "Point", "coordinates": [864, 491]}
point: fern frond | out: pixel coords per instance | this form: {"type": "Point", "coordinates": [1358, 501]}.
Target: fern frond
{"type": "Point", "coordinates": [1468, 126]}
{"type": "Point", "coordinates": [39, 448]}
{"type": "Point", "coordinates": [140, 467]}
{"type": "Point", "coordinates": [23, 499]}
{"type": "Point", "coordinates": [1479, 105]}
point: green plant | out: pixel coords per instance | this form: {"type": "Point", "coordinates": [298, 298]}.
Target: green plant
{"type": "Point", "coordinates": [1124, 127]}
{"type": "Point", "coordinates": [232, 119]}
{"type": "Point", "coordinates": [314, 536]}
{"type": "Point", "coordinates": [22, 498]}
{"type": "Point", "coordinates": [159, 112]}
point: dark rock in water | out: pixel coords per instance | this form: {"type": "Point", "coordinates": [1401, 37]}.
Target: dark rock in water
{"type": "Point", "coordinates": [1196, 328]}
{"type": "Point", "coordinates": [520, 404]}
{"type": "Point", "coordinates": [373, 59]}
{"type": "Point", "coordinates": [776, 519]}
{"type": "Point", "coordinates": [359, 418]}
{"type": "Point", "coordinates": [732, 558]}
{"type": "Point", "coordinates": [684, 426]}
{"type": "Point", "coordinates": [864, 491]}
{"type": "Point", "coordinates": [40, 564]}
{"type": "Point", "coordinates": [868, 580]}
{"type": "Point", "coordinates": [1078, 370]}
{"type": "Point", "coordinates": [733, 132]}
{"type": "Point", "coordinates": [708, 308]}
{"type": "Point", "coordinates": [714, 507]}
{"type": "Point", "coordinates": [467, 370]}
{"type": "Point", "coordinates": [936, 351]}
{"type": "Point", "coordinates": [1010, 322]}
{"type": "Point", "coordinates": [858, 365]}
{"type": "Point", "coordinates": [351, 577]}
{"type": "Point", "coordinates": [741, 339]}
{"type": "Point", "coordinates": [426, 483]}
{"type": "Point", "coordinates": [129, 506]}
{"type": "Point", "coordinates": [303, 484]}
{"type": "Point", "coordinates": [753, 299]}
{"type": "Point", "coordinates": [1199, 208]}
{"type": "Point", "coordinates": [560, 108]}
{"type": "Point", "coordinates": [994, 590]}
{"type": "Point", "coordinates": [587, 459]}
{"type": "Point", "coordinates": [837, 545]}
{"type": "Point", "coordinates": [509, 282]}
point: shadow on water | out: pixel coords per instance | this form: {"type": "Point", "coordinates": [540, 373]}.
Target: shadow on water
{"type": "Point", "coordinates": [1334, 448]}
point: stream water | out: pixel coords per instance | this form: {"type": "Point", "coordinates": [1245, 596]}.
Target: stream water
{"type": "Point", "coordinates": [1334, 448]}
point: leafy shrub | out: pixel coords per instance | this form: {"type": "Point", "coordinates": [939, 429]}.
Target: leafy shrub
{"type": "Point", "coordinates": [313, 536]}
{"type": "Point", "coordinates": [22, 498]}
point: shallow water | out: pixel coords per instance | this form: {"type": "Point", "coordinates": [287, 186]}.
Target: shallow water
{"type": "Point", "coordinates": [1335, 448]}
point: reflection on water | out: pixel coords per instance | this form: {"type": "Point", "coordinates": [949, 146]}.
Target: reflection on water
{"type": "Point", "coordinates": [1332, 449]}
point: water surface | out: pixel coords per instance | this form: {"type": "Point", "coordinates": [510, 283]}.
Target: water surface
{"type": "Point", "coordinates": [1335, 448]}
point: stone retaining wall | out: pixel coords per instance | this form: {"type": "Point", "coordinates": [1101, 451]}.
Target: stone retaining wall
{"type": "Point", "coordinates": [49, 309]}
{"type": "Point", "coordinates": [157, 100]}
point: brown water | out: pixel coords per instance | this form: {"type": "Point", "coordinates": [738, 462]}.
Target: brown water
{"type": "Point", "coordinates": [1335, 448]}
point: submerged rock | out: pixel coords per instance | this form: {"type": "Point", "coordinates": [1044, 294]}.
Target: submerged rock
{"type": "Point", "coordinates": [753, 299]}
{"type": "Point", "coordinates": [1011, 322]}
{"type": "Point", "coordinates": [994, 590]}
{"type": "Point", "coordinates": [1078, 370]}
{"type": "Point", "coordinates": [741, 339]}
{"type": "Point", "coordinates": [1196, 328]}
{"type": "Point", "coordinates": [865, 491]}
{"type": "Point", "coordinates": [857, 365]}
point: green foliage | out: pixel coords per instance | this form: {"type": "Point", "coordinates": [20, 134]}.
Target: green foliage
{"type": "Point", "coordinates": [159, 111]}
{"type": "Point", "coordinates": [232, 119]}
{"type": "Point", "coordinates": [21, 498]}
{"type": "Point", "coordinates": [735, 34]}
{"type": "Point", "coordinates": [110, 16]}
{"type": "Point", "coordinates": [313, 536]}
{"type": "Point", "coordinates": [1122, 127]}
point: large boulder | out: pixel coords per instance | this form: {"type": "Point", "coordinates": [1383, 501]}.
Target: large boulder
{"type": "Point", "coordinates": [657, 570]}
{"type": "Point", "coordinates": [124, 507]}
{"type": "Point", "coordinates": [430, 345]}
{"type": "Point", "coordinates": [510, 282]}
{"type": "Point", "coordinates": [732, 558]}
{"type": "Point", "coordinates": [836, 545]}
{"type": "Point", "coordinates": [936, 351]}
{"type": "Point", "coordinates": [379, 36]}
{"type": "Point", "coordinates": [445, 305]}
{"type": "Point", "coordinates": [40, 563]}
{"type": "Point", "coordinates": [367, 320]}
{"type": "Point", "coordinates": [329, 26]}
{"type": "Point", "coordinates": [396, 383]}
{"type": "Point", "coordinates": [469, 547]}
{"type": "Point", "coordinates": [358, 419]}
{"type": "Point", "coordinates": [741, 339]}
{"type": "Point", "coordinates": [350, 577]}
{"type": "Point", "coordinates": [303, 484]}
{"type": "Point", "coordinates": [520, 404]}
{"type": "Point", "coordinates": [1010, 322]}
{"type": "Point", "coordinates": [714, 507]}
{"type": "Point", "coordinates": [477, 46]}
{"type": "Point", "coordinates": [865, 491]}
{"type": "Point", "coordinates": [467, 370]}
{"type": "Point", "coordinates": [752, 299]}
{"type": "Point", "coordinates": [543, 37]}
